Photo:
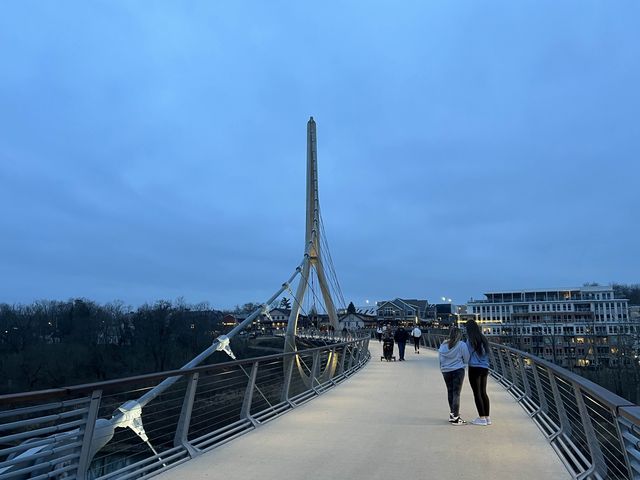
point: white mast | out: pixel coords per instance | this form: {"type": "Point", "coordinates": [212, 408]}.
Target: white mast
{"type": "Point", "coordinates": [312, 252]}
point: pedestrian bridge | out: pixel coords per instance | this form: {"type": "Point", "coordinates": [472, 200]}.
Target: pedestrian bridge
{"type": "Point", "coordinates": [329, 410]}
{"type": "Point", "coordinates": [388, 421]}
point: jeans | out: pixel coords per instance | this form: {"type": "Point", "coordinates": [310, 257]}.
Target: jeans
{"type": "Point", "coordinates": [478, 381]}
{"type": "Point", "coordinates": [454, 381]}
{"type": "Point", "coordinates": [401, 346]}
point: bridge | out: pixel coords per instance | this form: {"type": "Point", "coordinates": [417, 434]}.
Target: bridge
{"type": "Point", "coordinates": [325, 407]}
{"type": "Point", "coordinates": [388, 421]}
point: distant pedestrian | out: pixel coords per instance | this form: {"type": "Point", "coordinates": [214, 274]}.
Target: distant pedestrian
{"type": "Point", "coordinates": [478, 347]}
{"type": "Point", "coordinates": [401, 336]}
{"type": "Point", "coordinates": [453, 355]}
{"type": "Point", "coordinates": [379, 332]}
{"type": "Point", "coordinates": [416, 334]}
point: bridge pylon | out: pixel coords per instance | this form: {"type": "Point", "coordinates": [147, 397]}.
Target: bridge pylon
{"type": "Point", "coordinates": [313, 258]}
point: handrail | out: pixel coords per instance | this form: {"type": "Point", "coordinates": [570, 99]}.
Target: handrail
{"type": "Point", "coordinates": [595, 432]}
{"type": "Point", "coordinates": [54, 432]}
{"type": "Point", "coordinates": [11, 398]}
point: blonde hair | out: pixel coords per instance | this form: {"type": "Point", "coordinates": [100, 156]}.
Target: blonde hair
{"type": "Point", "coordinates": [455, 335]}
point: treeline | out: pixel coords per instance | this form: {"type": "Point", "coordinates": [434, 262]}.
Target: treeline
{"type": "Point", "coordinates": [623, 381]}
{"type": "Point", "coordinates": [631, 292]}
{"type": "Point", "coordinates": [52, 343]}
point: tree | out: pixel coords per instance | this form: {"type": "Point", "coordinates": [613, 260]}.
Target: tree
{"type": "Point", "coordinates": [247, 307]}
{"type": "Point", "coordinates": [631, 292]}
{"type": "Point", "coordinates": [351, 309]}
{"type": "Point", "coordinates": [285, 303]}
{"type": "Point", "coordinates": [155, 335]}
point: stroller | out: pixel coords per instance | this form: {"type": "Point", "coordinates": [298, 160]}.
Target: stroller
{"type": "Point", "coordinates": [387, 350]}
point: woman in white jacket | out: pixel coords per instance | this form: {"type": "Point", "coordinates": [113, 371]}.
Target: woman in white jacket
{"type": "Point", "coordinates": [416, 334]}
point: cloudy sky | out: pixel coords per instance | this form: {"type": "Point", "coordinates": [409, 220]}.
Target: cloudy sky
{"type": "Point", "coordinates": [155, 150]}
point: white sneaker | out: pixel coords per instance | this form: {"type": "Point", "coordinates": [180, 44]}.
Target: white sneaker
{"type": "Point", "coordinates": [488, 420]}
{"type": "Point", "coordinates": [480, 421]}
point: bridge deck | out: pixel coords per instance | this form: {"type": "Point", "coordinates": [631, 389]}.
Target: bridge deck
{"type": "Point", "coordinates": [388, 421]}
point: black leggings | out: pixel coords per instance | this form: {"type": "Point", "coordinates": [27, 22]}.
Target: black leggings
{"type": "Point", "coordinates": [454, 381]}
{"type": "Point", "coordinates": [478, 381]}
{"type": "Point", "coordinates": [416, 343]}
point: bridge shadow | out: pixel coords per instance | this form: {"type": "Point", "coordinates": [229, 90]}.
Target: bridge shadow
{"type": "Point", "coordinates": [388, 420]}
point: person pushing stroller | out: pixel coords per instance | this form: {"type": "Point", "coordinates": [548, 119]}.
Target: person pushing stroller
{"type": "Point", "coordinates": [387, 347]}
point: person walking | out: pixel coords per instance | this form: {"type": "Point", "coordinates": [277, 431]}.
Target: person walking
{"type": "Point", "coordinates": [416, 334]}
{"type": "Point", "coordinates": [401, 336]}
{"type": "Point", "coordinates": [453, 355]}
{"type": "Point", "coordinates": [478, 347]}
{"type": "Point", "coordinates": [379, 333]}
{"type": "Point", "coordinates": [387, 346]}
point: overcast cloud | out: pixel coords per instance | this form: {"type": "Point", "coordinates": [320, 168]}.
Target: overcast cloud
{"type": "Point", "coordinates": [151, 150]}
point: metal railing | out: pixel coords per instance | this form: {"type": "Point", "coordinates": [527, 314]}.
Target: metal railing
{"type": "Point", "coordinates": [59, 433]}
{"type": "Point", "coordinates": [595, 433]}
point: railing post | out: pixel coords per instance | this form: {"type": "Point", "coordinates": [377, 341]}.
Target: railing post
{"type": "Point", "coordinates": [87, 437]}
{"type": "Point", "coordinates": [351, 355]}
{"type": "Point", "coordinates": [182, 430]}
{"type": "Point", "coordinates": [492, 359]}
{"type": "Point", "coordinates": [343, 358]}
{"type": "Point", "coordinates": [365, 347]}
{"type": "Point", "coordinates": [598, 464]}
{"type": "Point", "coordinates": [514, 385]}
{"type": "Point", "coordinates": [288, 373]}
{"type": "Point", "coordinates": [314, 369]}
{"type": "Point", "coordinates": [363, 351]}
{"type": "Point", "coordinates": [565, 425]}
{"type": "Point", "coordinates": [429, 341]}
{"type": "Point", "coordinates": [525, 378]}
{"type": "Point", "coordinates": [245, 412]}
{"type": "Point", "coordinates": [503, 369]}
{"type": "Point", "coordinates": [511, 367]}
{"type": "Point", "coordinates": [541, 398]}
{"type": "Point", "coordinates": [358, 347]}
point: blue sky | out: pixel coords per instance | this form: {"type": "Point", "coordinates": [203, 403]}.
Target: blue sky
{"type": "Point", "coordinates": [155, 150]}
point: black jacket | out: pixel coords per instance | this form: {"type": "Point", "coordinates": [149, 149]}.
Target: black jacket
{"type": "Point", "coordinates": [401, 335]}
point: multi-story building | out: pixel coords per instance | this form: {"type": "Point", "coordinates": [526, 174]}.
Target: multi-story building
{"type": "Point", "coordinates": [401, 312]}
{"type": "Point", "coordinates": [584, 326]}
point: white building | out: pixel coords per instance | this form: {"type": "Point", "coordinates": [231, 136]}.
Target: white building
{"type": "Point", "coordinates": [582, 326]}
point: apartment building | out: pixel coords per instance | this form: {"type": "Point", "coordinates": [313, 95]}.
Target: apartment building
{"type": "Point", "coordinates": [585, 326]}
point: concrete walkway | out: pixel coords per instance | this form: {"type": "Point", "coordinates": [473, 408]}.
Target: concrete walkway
{"type": "Point", "coordinates": [389, 421]}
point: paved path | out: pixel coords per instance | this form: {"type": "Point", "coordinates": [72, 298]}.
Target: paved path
{"type": "Point", "coordinates": [389, 421]}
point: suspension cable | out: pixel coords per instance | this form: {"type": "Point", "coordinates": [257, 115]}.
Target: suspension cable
{"type": "Point", "coordinates": [323, 237]}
